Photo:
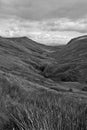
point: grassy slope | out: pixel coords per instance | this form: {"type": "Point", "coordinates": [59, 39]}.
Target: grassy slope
{"type": "Point", "coordinates": [30, 101]}
{"type": "Point", "coordinates": [71, 62]}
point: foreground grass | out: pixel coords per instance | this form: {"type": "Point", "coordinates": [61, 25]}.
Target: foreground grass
{"type": "Point", "coordinates": [40, 109]}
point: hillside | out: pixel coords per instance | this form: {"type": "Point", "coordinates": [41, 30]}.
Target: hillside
{"type": "Point", "coordinates": [42, 87]}
{"type": "Point", "coordinates": [71, 62]}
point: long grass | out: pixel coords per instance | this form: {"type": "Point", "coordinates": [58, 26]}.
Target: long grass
{"type": "Point", "coordinates": [40, 109]}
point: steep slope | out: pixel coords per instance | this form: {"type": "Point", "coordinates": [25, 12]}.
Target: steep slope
{"type": "Point", "coordinates": [71, 62]}
{"type": "Point", "coordinates": [24, 59]}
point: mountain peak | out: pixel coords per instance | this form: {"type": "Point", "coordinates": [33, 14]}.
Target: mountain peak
{"type": "Point", "coordinates": [78, 39]}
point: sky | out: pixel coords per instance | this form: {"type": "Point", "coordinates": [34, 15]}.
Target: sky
{"type": "Point", "coordinates": [45, 21]}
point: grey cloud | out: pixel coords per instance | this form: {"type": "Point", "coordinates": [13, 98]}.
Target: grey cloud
{"type": "Point", "coordinates": [26, 8]}
{"type": "Point", "coordinates": [65, 24]}
{"type": "Point", "coordinates": [75, 10]}
{"type": "Point", "coordinates": [41, 9]}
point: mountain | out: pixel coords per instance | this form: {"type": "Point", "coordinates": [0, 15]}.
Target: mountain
{"type": "Point", "coordinates": [42, 87]}
{"type": "Point", "coordinates": [71, 62]}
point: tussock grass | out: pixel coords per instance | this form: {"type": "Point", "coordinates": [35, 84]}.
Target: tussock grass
{"type": "Point", "coordinates": [40, 110]}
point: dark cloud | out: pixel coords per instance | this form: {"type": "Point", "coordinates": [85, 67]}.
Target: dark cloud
{"type": "Point", "coordinates": [41, 9]}
{"type": "Point", "coordinates": [31, 9]}
{"type": "Point", "coordinates": [74, 11]}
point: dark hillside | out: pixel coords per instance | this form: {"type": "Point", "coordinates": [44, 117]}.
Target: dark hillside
{"type": "Point", "coordinates": [71, 62]}
{"type": "Point", "coordinates": [33, 92]}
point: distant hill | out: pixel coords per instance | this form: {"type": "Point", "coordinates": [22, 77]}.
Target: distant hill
{"type": "Point", "coordinates": [71, 62]}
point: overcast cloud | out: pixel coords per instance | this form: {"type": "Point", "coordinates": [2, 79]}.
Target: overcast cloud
{"type": "Point", "coordinates": [41, 9]}
{"type": "Point", "coordinates": [46, 21]}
